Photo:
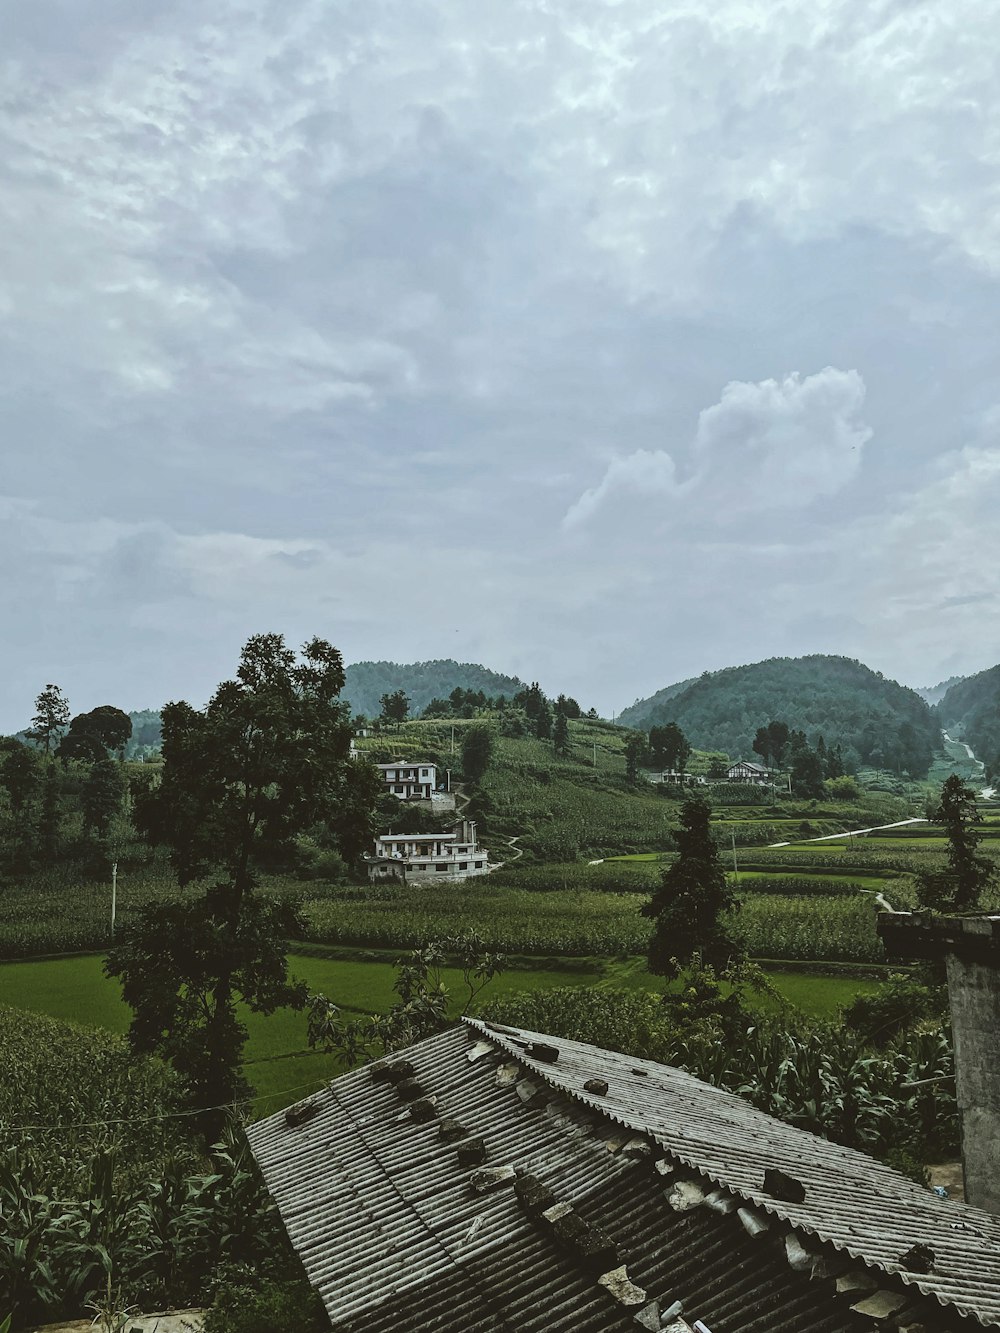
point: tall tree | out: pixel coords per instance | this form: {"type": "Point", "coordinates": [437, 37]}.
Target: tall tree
{"type": "Point", "coordinates": [560, 733]}
{"type": "Point", "coordinates": [267, 758]}
{"type": "Point", "coordinates": [635, 752]}
{"type": "Point", "coordinates": [395, 708]}
{"type": "Point", "coordinates": [477, 751]}
{"type": "Point", "coordinates": [543, 721]}
{"type": "Point", "coordinates": [51, 718]}
{"type": "Point", "coordinates": [770, 742]}
{"type": "Point", "coordinates": [960, 887]}
{"type": "Point", "coordinates": [101, 797]}
{"type": "Point", "coordinates": [689, 906]}
{"type": "Point", "coordinates": [806, 767]}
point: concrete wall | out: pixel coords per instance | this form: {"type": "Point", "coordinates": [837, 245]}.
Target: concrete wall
{"type": "Point", "coordinates": [974, 994]}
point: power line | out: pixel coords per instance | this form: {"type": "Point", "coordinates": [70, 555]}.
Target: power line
{"type": "Point", "coordinates": [150, 1119]}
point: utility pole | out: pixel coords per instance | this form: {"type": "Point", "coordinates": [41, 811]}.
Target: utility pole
{"type": "Point", "coordinates": [736, 869]}
{"type": "Point", "coordinates": [453, 739]}
{"type": "Point", "coordinates": [595, 754]}
{"type": "Point", "coordinates": [114, 895]}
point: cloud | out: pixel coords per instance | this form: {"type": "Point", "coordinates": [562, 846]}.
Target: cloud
{"type": "Point", "coordinates": [771, 445]}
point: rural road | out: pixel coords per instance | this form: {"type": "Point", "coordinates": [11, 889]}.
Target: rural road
{"type": "Point", "coordinates": [987, 792]}
{"type": "Point", "coordinates": [851, 833]}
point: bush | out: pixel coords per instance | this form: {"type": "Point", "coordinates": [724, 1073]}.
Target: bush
{"type": "Point", "coordinates": [247, 1305]}
{"type": "Point", "coordinates": [891, 1009]}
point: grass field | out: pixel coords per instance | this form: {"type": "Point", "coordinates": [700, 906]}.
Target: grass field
{"type": "Point", "coordinates": [279, 1064]}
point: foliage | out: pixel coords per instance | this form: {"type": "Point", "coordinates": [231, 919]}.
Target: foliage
{"type": "Point", "coordinates": [182, 968]}
{"type": "Point", "coordinates": [689, 907]}
{"type": "Point", "coordinates": [101, 797]}
{"type": "Point", "coordinates": [811, 1075]}
{"type": "Point", "coordinates": [264, 761]}
{"type": "Point", "coordinates": [366, 682]}
{"type": "Point", "coordinates": [961, 885]}
{"type": "Point", "coordinates": [836, 697]}
{"type": "Point", "coordinates": [394, 708]}
{"type": "Point", "coordinates": [477, 751]}
{"type": "Point", "coordinates": [894, 1006]}
{"type": "Point", "coordinates": [770, 742]}
{"type": "Point", "coordinates": [93, 735]}
{"type": "Point", "coordinates": [971, 709]}
{"type": "Point", "coordinates": [422, 1009]}
{"type": "Point", "coordinates": [245, 1304]}
{"type": "Point", "coordinates": [50, 720]}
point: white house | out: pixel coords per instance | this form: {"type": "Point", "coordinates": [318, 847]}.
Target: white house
{"type": "Point", "coordinates": [422, 857]}
{"type": "Point", "coordinates": [671, 778]}
{"type": "Point", "coordinates": [745, 771]}
{"type": "Point", "coordinates": [410, 782]}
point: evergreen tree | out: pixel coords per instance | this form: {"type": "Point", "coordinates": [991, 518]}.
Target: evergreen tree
{"type": "Point", "coordinates": [560, 734]}
{"type": "Point", "coordinates": [689, 906]}
{"type": "Point", "coordinates": [395, 708]}
{"type": "Point", "coordinates": [51, 718]}
{"type": "Point", "coordinates": [961, 886]}
{"type": "Point", "coordinates": [543, 720]}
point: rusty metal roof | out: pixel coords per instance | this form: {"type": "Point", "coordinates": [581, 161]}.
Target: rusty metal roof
{"type": "Point", "coordinates": [474, 1183]}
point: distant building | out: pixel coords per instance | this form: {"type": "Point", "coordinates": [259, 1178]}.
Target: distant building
{"type": "Point", "coordinates": [745, 771]}
{"type": "Point", "coordinates": [671, 778]}
{"type": "Point", "coordinates": [422, 857]}
{"type": "Point", "coordinates": [410, 782]}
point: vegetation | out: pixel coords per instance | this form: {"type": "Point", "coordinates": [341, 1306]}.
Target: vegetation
{"type": "Point", "coordinates": [971, 709]}
{"type": "Point", "coordinates": [960, 886]}
{"type": "Point", "coordinates": [266, 760]}
{"type": "Point", "coordinates": [366, 682]}
{"type": "Point", "coordinates": [690, 908]}
{"type": "Point", "coordinates": [873, 719]}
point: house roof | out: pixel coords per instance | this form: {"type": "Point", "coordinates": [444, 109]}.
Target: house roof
{"type": "Point", "coordinates": [479, 1183]}
{"type": "Point", "coordinates": [749, 763]}
{"type": "Point", "coordinates": [409, 763]}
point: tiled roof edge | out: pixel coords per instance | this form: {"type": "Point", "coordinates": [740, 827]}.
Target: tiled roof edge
{"type": "Point", "coordinates": [501, 1035]}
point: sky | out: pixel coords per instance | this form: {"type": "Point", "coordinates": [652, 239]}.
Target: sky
{"type": "Point", "coordinates": [603, 342]}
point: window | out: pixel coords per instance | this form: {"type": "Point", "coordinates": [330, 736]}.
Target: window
{"type": "Point", "coordinates": [440, 867]}
{"type": "Point", "coordinates": [463, 865]}
{"type": "Point", "coordinates": [479, 865]}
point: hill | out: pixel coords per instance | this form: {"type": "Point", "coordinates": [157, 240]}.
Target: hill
{"type": "Point", "coordinates": [655, 701]}
{"type": "Point", "coordinates": [971, 708]}
{"type": "Point", "coordinates": [933, 694]}
{"type": "Point", "coordinates": [422, 681]}
{"type": "Point", "coordinates": [875, 720]}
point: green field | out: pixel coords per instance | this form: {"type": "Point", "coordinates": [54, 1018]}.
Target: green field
{"type": "Point", "coordinates": [279, 1064]}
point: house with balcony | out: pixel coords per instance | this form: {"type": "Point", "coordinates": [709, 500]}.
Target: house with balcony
{"type": "Point", "coordinates": [410, 782]}
{"type": "Point", "coordinates": [424, 857]}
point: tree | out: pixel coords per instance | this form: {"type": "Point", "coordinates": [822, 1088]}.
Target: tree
{"type": "Point", "coordinates": [51, 718]}
{"type": "Point", "coordinates": [101, 797]}
{"type": "Point", "coordinates": [477, 751]}
{"type": "Point", "coordinates": [670, 747]}
{"type": "Point", "coordinates": [960, 887]}
{"type": "Point", "coordinates": [49, 822]}
{"type": "Point", "coordinates": [635, 752]}
{"type": "Point", "coordinates": [92, 735]}
{"type": "Point", "coordinates": [560, 734]}
{"type": "Point", "coordinates": [543, 721]}
{"type": "Point", "coordinates": [689, 906]}
{"type": "Point", "coordinates": [266, 759]}
{"type": "Point", "coordinates": [395, 707]}
{"type": "Point", "coordinates": [770, 742]}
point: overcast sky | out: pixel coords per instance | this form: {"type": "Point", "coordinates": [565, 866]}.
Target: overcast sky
{"type": "Point", "coordinates": [600, 341]}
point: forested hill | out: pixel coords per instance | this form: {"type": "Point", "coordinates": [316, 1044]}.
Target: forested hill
{"type": "Point", "coordinates": [422, 681]}
{"type": "Point", "coordinates": [933, 694]}
{"type": "Point", "coordinates": [643, 707]}
{"type": "Point", "coordinates": [972, 708]}
{"type": "Point", "coordinates": [875, 720]}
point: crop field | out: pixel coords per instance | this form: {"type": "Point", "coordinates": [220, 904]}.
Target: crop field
{"type": "Point", "coordinates": [279, 1063]}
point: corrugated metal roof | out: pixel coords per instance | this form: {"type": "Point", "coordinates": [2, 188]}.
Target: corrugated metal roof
{"type": "Point", "coordinates": [854, 1203]}
{"type": "Point", "coordinates": [394, 1234]}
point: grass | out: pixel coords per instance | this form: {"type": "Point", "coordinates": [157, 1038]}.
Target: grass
{"type": "Point", "coordinates": [279, 1064]}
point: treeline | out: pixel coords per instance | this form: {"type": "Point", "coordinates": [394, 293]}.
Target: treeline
{"type": "Point", "coordinates": [367, 682]}
{"type": "Point", "coordinates": [873, 720]}
{"type": "Point", "coordinates": [972, 707]}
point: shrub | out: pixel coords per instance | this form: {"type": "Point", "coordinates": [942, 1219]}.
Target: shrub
{"type": "Point", "coordinates": [247, 1305]}
{"type": "Point", "coordinates": [894, 1006]}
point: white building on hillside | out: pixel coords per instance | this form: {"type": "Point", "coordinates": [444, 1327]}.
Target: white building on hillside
{"type": "Point", "coordinates": [421, 857]}
{"type": "Point", "coordinates": [410, 782]}
{"type": "Point", "coordinates": [745, 771]}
